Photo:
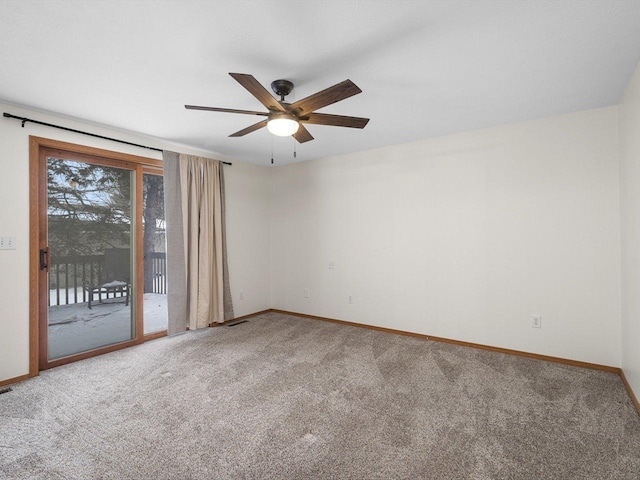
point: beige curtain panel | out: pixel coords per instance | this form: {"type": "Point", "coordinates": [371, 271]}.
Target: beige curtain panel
{"type": "Point", "coordinates": [197, 273]}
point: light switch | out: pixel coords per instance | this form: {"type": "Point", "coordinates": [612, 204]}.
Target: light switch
{"type": "Point", "coordinates": [7, 243]}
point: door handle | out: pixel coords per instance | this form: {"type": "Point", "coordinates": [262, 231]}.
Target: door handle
{"type": "Point", "coordinates": [44, 257]}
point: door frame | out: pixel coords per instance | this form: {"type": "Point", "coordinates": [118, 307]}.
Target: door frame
{"type": "Point", "coordinates": [38, 148]}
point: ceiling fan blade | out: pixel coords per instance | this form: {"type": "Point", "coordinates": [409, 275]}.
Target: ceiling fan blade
{"type": "Point", "coordinates": [325, 97]}
{"type": "Point", "coordinates": [302, 135]}
{"type": "Point", "coordinates": [334, 120]}
{"type": "Point", "coordinates": [252, 128]}
{"type": "Point", "coordinates": [257, 90]}
{"type": "Point", "coordinates": [228, 110]}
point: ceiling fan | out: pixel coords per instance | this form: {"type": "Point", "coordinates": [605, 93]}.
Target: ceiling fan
{"type": "Point", "coordinates": [284, 119]}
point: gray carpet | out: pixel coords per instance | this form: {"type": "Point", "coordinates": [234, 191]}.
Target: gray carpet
{"type": "Point", "coordinates": [282, 397]}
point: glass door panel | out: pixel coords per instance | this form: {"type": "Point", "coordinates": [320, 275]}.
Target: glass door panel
{"type": "Point", "coordinates": [155, 256]}
{"type": "Point", "coordinates": [90, 244]}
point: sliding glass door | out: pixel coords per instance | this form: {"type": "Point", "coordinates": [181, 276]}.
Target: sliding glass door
{"type": "Point", "coordinates": [98, 268]}
{"type": "Point", "coordinates": [90, 254]}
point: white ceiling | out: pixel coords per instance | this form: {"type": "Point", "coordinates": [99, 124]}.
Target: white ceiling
{"type": "Point", "coordinates": [426, 68]}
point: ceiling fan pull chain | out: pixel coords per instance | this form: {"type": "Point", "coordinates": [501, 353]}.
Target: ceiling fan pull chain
{"type": "Point", "coordinates": [294, 148]}
{"type": "Point", "coordinates": [272, 150]}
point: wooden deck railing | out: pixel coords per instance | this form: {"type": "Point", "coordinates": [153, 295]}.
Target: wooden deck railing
{"type": "Point", "coordinates": [158, 263]}
{"type": "Point", "coordinates": [68, 276]}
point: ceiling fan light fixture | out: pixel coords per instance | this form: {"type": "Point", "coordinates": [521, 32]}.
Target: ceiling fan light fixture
{"type": "Point", "coordinates": [282, 124]}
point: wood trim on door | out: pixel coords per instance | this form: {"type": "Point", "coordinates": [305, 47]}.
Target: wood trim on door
{"type": "Point", "coordinates": [34, 251]}
{"type": "Point", "coordinates": [138, 258]}
{"type": "Point", "coordinates": [95, 152]}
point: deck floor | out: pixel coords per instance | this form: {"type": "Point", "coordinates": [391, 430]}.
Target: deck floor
{"type": "Point", "coordinates": [74, 328]}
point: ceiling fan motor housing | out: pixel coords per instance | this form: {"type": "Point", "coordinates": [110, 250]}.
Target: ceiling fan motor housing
{"type": "Point", "coordinates": [282, 88]}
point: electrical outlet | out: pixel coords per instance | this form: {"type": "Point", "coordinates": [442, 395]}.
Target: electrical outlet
{"type": "Point", "coordinates": [536, 321]}
{"type": "Point", "coordinates": [7, 243]}
{"type": "Point", "coordinates": [306, 293]}
{"type": "Point", "coordinates": [332, 264]}
{"type": "Point", "coordinates": [350, 298]}
{"type": "Point", "coordinates": [241, 294]}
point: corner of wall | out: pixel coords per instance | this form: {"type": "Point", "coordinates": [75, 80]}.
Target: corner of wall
{"type": "Point", "coordinates": [629, 160]}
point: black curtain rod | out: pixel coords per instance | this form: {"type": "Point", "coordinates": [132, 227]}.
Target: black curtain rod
{"type": "Point", "coordinates": [25, 120]}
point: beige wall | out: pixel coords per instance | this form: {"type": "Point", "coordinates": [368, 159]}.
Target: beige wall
{"type": "Point", "coordinates": [629, 119]}
{"type": "Point", "coordinates": [248, 225]}
{"type": "Point", "coordinates": [248, 237]}
{"type": "Point", "coordinates": [463, 237]}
